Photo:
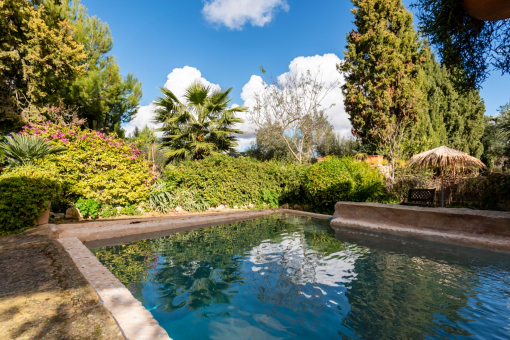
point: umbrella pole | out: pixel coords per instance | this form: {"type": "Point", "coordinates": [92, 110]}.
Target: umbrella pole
{"type": "Point", "coordinates": [442, 190]}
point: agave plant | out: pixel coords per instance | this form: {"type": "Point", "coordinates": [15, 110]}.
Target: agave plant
{"type": "Point", "coordinates": [161, 199]}
{"type": "Point", "coordinates": [25, 150]}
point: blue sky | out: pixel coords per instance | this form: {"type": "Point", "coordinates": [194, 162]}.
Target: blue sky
{"type": "Point", "coordinates": [227, 41]}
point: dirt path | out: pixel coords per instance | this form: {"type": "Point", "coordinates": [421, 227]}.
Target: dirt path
{"type": "Point", "coordinates": [44, 296]}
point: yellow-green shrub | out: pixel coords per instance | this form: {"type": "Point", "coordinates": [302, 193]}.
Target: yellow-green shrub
{"type": "Point", "coordinates": [239, 181]}
{"type": "Point", "coordinates": [98, 166]}
{"type": "Point", "coordinates": [24, 195]}
{"type": "Point", "coordinates": [342, 179]}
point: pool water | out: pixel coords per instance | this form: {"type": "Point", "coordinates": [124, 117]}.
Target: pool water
{"type": "Point", "coordinates": [290, 277]}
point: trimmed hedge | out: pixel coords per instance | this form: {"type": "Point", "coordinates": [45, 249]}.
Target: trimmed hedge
{"type": "Point", "coordinates": [24, 195]}
{"type": "Point", "coordinates": [239, 181]}
{"type": "Point", "coordinates": [245, 181]}
{"type": "Point", "coordinates": [342, 179]}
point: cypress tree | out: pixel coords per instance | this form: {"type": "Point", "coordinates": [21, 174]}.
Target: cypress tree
{"type": "Point", "coordinates": [466, 128]}
{"type": "Point", "coordinates": [399, 99]}
{"type": "Point", "coordinates": [456, 115]}
{"type": "Point", "coordinates": [383, 89]}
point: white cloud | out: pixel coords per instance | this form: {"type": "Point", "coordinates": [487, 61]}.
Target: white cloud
{"type": "Point", "coordinates": [177, 81]}
{"type": "Point", "coordinates": [325, 66]}
{"type": "Point", "coordinates": [180, 78]}
{"type": "Point", "coordinates": [255, 85]}
{"type": "Point", "coordinates": [236, 13]}
{"type": "Point", "coordinates": [143, 117]}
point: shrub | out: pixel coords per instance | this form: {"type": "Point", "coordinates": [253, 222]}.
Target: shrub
{"type": "Point", "coordinates": [112, 211]}
{"type": "Point", "coordinates": [109, 211]}
{"type": "Point", "coordinates": [190, 201]}
{"type": "Point", "coordinates": [343, 179]}
{"type": "Point", "coordinates": [270, 197]}
{"type": "Point", "coordinates": [97, 166]}
{"type": "Point", "coordinates": [129, 210]}
{"type": "Point", "coordinates": [233, 181]}
{"type": "Point", "coordinates": [24, 195]}
{"type": "Point", "coordinates": [88, 207]}
{"type": "Point", "coordinates": [26, 150]}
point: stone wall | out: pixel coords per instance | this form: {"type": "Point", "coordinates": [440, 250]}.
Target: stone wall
{"type": "Point", "coordinates": [478, 228]}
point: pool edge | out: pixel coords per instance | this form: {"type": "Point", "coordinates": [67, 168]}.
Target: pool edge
{"type": "Point", "coordinates": [133, 319]}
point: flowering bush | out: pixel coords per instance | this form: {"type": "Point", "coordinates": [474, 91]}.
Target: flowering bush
{"type": "Point", "coordinates": [96, 165]}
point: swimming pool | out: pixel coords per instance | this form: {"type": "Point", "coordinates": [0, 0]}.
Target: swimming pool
{"type": "Point", "coordinates": [293, 277]}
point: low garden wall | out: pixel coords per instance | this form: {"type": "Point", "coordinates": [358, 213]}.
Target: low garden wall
{"type": "Point", "coordinates": [466, 227]}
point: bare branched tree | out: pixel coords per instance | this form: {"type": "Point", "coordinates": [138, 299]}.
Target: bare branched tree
{"type": "Point", "coordinates": [289, 110]}
{"type": "Point", "coordinates": [67, 116]}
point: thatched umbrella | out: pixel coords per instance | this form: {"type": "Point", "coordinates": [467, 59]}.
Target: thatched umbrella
{"type": "Point", "coordinates": [444, 158]}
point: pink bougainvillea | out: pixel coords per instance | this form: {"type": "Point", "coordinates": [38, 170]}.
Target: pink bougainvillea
{"type": "Point", "coordinates": [98, 165]}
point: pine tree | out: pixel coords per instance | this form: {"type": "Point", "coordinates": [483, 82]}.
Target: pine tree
{"type": "Point", "coordinates": [105, 98]}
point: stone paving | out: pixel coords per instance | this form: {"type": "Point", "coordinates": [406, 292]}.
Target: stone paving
{"type": "Point", "coordinates": [135, 321]}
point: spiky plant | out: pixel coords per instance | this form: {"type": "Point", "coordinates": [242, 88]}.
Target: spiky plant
{"type": "Point", "coordinates": [200, 126]}
{"type": "Point", "coordinates": [23, 150]}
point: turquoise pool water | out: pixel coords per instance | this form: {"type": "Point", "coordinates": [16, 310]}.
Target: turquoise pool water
{"type": "Point", "coordinates": [284, 277]}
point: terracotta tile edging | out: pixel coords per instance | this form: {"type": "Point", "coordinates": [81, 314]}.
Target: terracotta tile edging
{"type": "Point", "coordinates": [133, 319]}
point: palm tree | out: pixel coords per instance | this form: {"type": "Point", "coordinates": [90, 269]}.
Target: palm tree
{"type": "Point", "coordinates": [24, 150]}
{"type": "Point", "coordinates": [201, 126]}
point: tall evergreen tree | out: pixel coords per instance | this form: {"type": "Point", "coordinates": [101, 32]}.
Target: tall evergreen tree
{"type": "Point", "coordinates": [383, 89]}
{"type": "Point", "coordinates": [39, 59]}
{"type": "Point", "coordinates": [455, 116]}
{"type": "Point", "coordinates": [104, 97]}
{"type": "Point", "coordinates": [53, 53]}
{"type": "Point", "coordinates": [400, 100]}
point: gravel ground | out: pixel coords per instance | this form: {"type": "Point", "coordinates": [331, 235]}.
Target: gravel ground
{"type": "Point", "coordinates": [44, 296]}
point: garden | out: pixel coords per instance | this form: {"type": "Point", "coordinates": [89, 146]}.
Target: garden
{"type": "Point", "coordinates": [105, 176]}
{"type": "Point", "coordinates": [65, 146]}
{"type": "Point", "coordinates": [130, 215]}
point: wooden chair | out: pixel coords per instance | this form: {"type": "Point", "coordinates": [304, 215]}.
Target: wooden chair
{"type": "Point", "coordinates": [423, 197]}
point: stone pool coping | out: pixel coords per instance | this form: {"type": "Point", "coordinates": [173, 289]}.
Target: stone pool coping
{"type": "Point", "coordinates": [134, 320]}
{"type": "Point", "coordinates": [465, 227]}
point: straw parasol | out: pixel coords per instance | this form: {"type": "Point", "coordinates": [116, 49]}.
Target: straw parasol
{"type": "Point", "coordinates": [444, 158]}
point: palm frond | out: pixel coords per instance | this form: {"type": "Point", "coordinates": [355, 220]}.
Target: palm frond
{"type": "Point", "coordinates": [197, 93]}
{"type": "Point", "coordinates": [24, 150]}
{"type": "Point", "coordinates": [202, 125]}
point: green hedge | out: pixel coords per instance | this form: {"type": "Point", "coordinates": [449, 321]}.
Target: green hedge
{"type": "Point", "coordinates": [342, 179]}
{"type": "Point", "coordinates": [238, 181]}
{"type": "Point", "coordinates": [24, 195]}
{"type": "Point", "coordinates": [245, 181]}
